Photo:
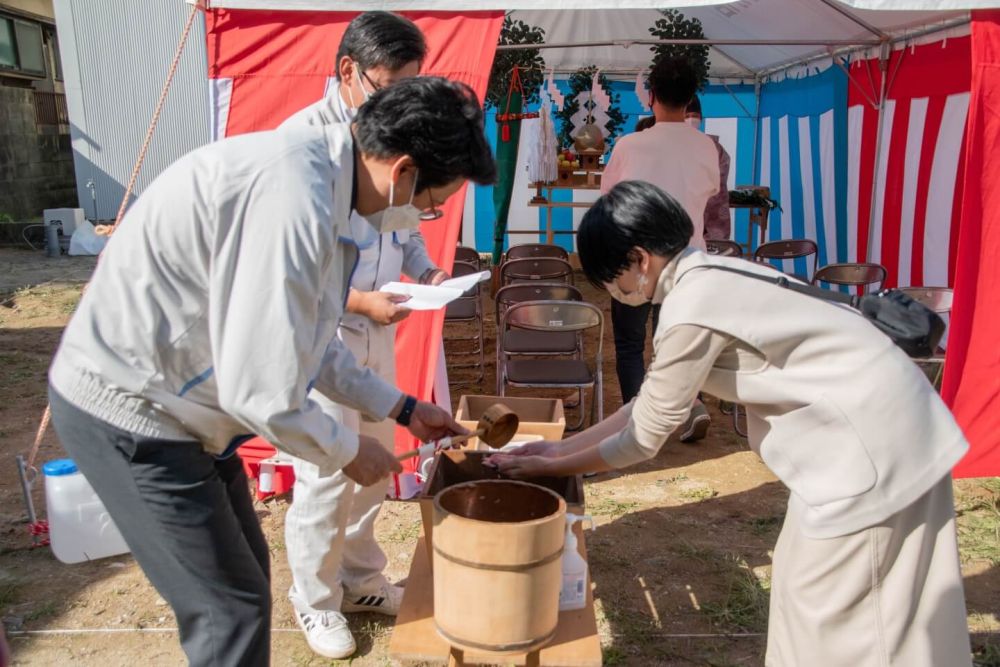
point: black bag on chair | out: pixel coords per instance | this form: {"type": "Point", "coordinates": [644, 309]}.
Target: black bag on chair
{"type": "Point", "coordinates": [911, 325]}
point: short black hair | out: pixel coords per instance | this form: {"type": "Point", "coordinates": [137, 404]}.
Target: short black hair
{"type": "Point", "coordinates": [632, 214]}
{"type": "Point", "coordinates": [694, 106]}
{"type": "Point", "coordinates": [673, 82]}
{"type": "Point", "coordinates": [382, 39]}
{"type": "Point", "coordinates": [437, 122]}
{"type": "Point", "coordinates": [645, 123]}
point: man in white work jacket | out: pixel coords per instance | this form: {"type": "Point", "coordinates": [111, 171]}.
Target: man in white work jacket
{"type": "Point", "coordinates": [213, 315]}
{"type": "Point", "coordinates": [335, 561]}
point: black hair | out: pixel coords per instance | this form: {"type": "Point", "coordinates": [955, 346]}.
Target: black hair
{"type": "Point", "coordinates": [632, 214]}
{"type": "Point", "coordinates": [673, 82]}
{"type": "Point", "coordinates": [437, 122]}
{"type": "Point", "coordinates": [694, 106]}
{"type": "Point", "coordinates": [382, 39]}
{"type": "Point", "coordinates": [645, 123]}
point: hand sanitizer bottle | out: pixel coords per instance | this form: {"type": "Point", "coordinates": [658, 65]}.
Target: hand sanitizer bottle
{"type": "Point", "coordinates": [573, 594]}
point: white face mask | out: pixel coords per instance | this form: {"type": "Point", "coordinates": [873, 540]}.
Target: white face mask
{"type": "Point", "coordinates": [353, 110]}
{"type": "Point", "coordinates": [693, 122]}
{"type": "Point", "coordinates": [635, 298]}
{"type": "Point", "coordinates": [394, 218]}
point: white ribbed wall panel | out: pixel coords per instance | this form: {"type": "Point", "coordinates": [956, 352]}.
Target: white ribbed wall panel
{"type": "Point", "coordinates": [115, 55]}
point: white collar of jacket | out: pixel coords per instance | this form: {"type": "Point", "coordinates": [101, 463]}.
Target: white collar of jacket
{"type": "Point", "coordinates": [668, 276]}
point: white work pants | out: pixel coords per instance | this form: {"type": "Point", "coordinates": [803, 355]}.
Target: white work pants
{"type": "Point", "coordinates": [330, 527]}
{"type": "Point", "coordinates": [888, 595]}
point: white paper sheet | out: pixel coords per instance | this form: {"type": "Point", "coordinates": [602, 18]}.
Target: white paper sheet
{"type": "Point", "coordinates": [433, 297]}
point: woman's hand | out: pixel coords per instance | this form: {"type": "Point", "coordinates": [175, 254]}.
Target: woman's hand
{"type": "Point", "coordinates": [547, 448]}
{"type": "Point", "coordinates": [520, 467]}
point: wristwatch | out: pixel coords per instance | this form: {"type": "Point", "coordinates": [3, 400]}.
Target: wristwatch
{"type": "Point", "coordinates": [403, 418]}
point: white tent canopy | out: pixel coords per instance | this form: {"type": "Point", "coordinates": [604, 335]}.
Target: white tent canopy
{"type": "Point", "coordinates": [751, 38]}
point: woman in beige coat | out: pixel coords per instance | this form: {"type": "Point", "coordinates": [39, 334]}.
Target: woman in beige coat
{"type": "Point", "coordinates": [866, 568]}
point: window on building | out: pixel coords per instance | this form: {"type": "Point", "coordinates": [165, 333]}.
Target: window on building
{"type": "Point", "coordinates": [8, 47]}
{"type": "Point", "coordinates": [21, 46]}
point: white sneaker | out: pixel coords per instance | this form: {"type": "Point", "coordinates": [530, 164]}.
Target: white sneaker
{"type": "Point", "coordinates": [327, 634]}
{"type": "Point", "coordinates": [386, 601]}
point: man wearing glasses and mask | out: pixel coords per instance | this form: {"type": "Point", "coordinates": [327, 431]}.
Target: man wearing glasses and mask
{"type": "Point", "coordinates": [336, 563]}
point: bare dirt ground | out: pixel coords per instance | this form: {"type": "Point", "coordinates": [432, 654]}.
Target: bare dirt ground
{"type": "Point", "coordinates": [680, 553]}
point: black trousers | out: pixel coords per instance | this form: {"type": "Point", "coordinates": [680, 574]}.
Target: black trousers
{"type": "Point", "coordinates": [629, 325]}
{"type": "Point", "coordinates": [189, 520]}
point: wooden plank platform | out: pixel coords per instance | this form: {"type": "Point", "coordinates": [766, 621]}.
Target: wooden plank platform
{"type": "Point", "coordinates": [415, 638]}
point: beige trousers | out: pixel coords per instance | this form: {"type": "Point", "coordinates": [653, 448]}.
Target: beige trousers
{"type": "Point", "coordinates": [330, 527]}
{"type": "Point", "coordinates": [888, 595]}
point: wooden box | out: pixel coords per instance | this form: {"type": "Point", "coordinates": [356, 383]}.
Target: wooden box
{"type": "Point", "coordinates": [538, 416]}
{"type": "Point", "coordinates": [463, 465]}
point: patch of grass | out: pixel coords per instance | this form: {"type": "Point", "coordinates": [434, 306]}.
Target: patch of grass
{"type": "Point", "coordinates": [698, 493]}
{"type": "Point", "coordinates": [744, 606]}
{"type": "Point", "coordinates": [764, 525]}
{"type": "Point", "coordinates": [979, 524]}
{"type": "Point", "coordinates": [611, 507]}
{"type": "Point", "coordinates": [612, 655]}
{"type": "Point", "coordinates": [44, 611]}
{"type": "Point", "coordinates": [404, 532]}
{"type": "Point", "coordinates": [690, 551]}
{"type": "Point", "coordinates": [987, 655]}
{"type": "Point", "coordinates": [10, 592]}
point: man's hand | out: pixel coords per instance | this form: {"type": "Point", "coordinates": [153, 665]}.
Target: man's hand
{"type": "Point", "coordinates": [429, 422]}
{"type": "Point", "coordinates": [439, 277]}
{"type": "Point", "coordinates": [372, 464]}
{"type": "Point", "coordinates": [520, 467]}
{"type": "Point", "coordinates": [382, 307]}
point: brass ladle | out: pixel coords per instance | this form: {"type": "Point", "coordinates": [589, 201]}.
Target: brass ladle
{"type": "Point", "coordinates": [496, 427]}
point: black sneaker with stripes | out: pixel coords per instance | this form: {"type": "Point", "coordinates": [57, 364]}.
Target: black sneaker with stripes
{"type": "Point", "coordinates": [384, 601]}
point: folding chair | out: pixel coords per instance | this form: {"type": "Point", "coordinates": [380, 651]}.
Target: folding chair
{"type": "Point", "coordinates": [522, 342]}
{"type": "Point", "coordinates": [938, 299]}
{"type": "Point", "coordinates": [468, 308]}
{"type": "Point", "coordinates": [546, 269]}
{"type": "Point", "coordinates": [469, 256]}
{"type": "Point", "coordinates": [556, 316]}
{"type": "Point", "coordinates": [723, 247]}
{"type": "Point", "coordinates": [788, 249]}
{"type": "Point", "coordinates": [852, 274]}
{"type": "Point", "coordinates": [535, 250]}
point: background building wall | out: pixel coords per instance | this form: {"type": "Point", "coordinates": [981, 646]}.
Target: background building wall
{"type": "Point", "coordinates": [116, 54]}
{"type": "Point", "coordinates": [36, 161]}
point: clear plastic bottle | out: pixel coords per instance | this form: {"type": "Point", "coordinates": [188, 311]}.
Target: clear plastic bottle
{"type": "Point", "coordinates": [80, 527]}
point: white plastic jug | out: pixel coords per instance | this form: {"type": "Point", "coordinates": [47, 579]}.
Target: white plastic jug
{"type": "Point", "coordinates": [80, 528]}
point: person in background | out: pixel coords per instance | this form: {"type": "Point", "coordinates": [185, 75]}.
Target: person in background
{"type": "Point", "coordinates": [866, 569]}
{"type": "Point", "coordinates": [685, 163]}
{"type": "Point", "coordinates": [718, 223]}
{"type": "Point", "coordinates": [335, 561]}
{"type": "Point", "coordinates": [212, 316]}
{"type": "Point", "coordinates": [645, 123]}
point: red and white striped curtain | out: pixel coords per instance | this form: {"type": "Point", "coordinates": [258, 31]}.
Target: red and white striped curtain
{"type": "Point", "coordinates": [918, 184]}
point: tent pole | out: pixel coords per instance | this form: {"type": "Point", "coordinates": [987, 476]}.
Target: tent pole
{"type": "Point", "coordinates": [832, 4]}
{"type": "Point", "coordinates": [756, 132]}
{"type": "Point", "coordinates": [883, 66]}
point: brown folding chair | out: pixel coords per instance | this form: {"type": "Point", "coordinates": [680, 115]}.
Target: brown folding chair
{"type": "Point", "coordinates": [469, 256]}
{"type": "Point", "coordinates": [576, 317]}
{"type": "Point", "coordinates": [522, 342]}
{"type": "Point", "coordinates": [535, 250]}
{"type": "Point", "coordinates": [788, 249]}
{"type": "Point", "coordinates": [851, 274]}
{"type": "Point", "coordinates": [546, 269]}
{"type": "Point", "coordinates": [466, 309]}
{"type": "Point", "coordinates": [938, 299]}
{"type": "Point", "coordinates": [724, 247]}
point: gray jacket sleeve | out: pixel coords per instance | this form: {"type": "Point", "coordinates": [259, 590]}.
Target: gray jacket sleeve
{"type": "Point", "coordinates": [415, 258]}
